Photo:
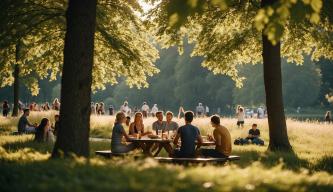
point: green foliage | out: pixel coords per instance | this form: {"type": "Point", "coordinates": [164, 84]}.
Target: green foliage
{"type": "Point", "coordinates": [122, 47]}
{"type": "Point", "coordinates": [228, 38]}
{"type": "Point", "coordinates": [300, 87]}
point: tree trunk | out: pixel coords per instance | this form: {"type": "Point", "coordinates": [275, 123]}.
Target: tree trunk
{"type": "Point", "coordinates": [273, 87]}
{"type": "Point", "coordinates": [16, 86]}
{"type": "Point", "coordinates": [73, 135]}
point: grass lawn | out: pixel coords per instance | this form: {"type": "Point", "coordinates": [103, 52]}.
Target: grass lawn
{"type": "Point", "coordinates": [25, 165]}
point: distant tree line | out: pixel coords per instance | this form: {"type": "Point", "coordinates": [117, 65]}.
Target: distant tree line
{"type": "Point", "coordinates": [182, 81]}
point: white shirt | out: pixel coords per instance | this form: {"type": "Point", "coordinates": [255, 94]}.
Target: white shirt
{"type": "Point", "coordinates": [125, 109]}
{"type": "Point", "coordinates": [207, 109]}
{"type": "Point", "coordinates": [154, 109]}
{"type": "Point", "coordinates": [145, 107]}
{"type": "Point", "coordinates": [240, 116]}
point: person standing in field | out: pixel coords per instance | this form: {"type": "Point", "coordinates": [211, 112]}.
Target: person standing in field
{"type": "Point", "coordinates": [92, 108]}
{"type": "Point", "coordinates": [125, 108]}
{"type": "Point", "coordinates": [111, 110]}
{"type": "Point", "coordinates": [240, 117]}
{"type": "Point", "coordinates": [328, 117]}
{"type": "Point", "coordinates": [154, 110]}
{"type": "Point", "coordinates": [101, 109]}
{"type": "Point", "coordinates": [200, 110]}
{"type": "Point", "coordinates": [56, 104]}
{"type": "Point", "coordinates": [145, 109]}
{"type": "Point", "coordinates": [222, 139]}
{"type": "Point", "coordinates": [5, 108]}
{"type": "Point", "coordinates": [207, 110]}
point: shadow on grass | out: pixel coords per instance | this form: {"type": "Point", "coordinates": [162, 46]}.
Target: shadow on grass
{"type": "Point", "coordinates": [48, 147]}
{"type": "Point", "coordinates": [325, 164]}
{"type": "Point", "coordinates": [270, 159]}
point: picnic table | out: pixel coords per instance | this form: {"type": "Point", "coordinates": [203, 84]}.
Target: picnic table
{"type": "Point", "coordinates": [147, 144]}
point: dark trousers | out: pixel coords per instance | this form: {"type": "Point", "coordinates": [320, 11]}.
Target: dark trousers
{"type": "Point", "coordinates": [212, 153]}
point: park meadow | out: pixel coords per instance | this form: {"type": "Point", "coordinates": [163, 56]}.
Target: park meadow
{"type": "Point", "coordinates": [26, 165]}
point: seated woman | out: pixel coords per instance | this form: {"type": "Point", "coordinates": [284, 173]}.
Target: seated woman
{"type": "Point", "coordinates": [118, 132]}
{"type": "Point", "coordinates": [222, 140]}
{"type": "Point", "coordinates": [137, 126]}
{"type": "Point", "coordinates": [43, 132]}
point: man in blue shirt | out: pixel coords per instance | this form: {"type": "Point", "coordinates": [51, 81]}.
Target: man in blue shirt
{"type": "Point", "coordinates": [188, 135]}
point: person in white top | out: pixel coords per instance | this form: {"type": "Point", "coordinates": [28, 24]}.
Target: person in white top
{"type": "Point", "coordinates": [260, 113]}
{"type": "Point", "coordinates": [154, 110]}
{"type": "Point", "coordinates": [207, 111]}
{"type": "Point", "coordinates": [145, 109]}
{"type": "Point", "coordinates": [240, 117]}
{"type": "Point", "coordinates": [125, 108]}
{"type": "Point", "coordinates": [200, 110]}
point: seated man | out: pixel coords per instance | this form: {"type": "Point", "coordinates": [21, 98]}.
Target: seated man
{"type": "Point", "coordinates": [159, 125]}
{"type": "Point", "coordinates": [222, 139]}
{"type": "Point", "coordinates": [23, 125]}
{"type": "Point", "coordinates": [170, 126]}
{"type": "Point", "coordinates": [254, 135]}
{"type": "Point", "coordinates": [188, 135]}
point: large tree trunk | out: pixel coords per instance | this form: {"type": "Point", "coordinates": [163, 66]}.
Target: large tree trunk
{"type": "Point", "coordinates": [16, 86]}
{"type": "Point", "coordinates": [273, 87]}
{"type": "Point", "coordinates": [73, 135]}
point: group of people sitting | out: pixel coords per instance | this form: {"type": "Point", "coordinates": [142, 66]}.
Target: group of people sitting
{"type": "Point", "coordinates": [188, 135]}
{"type": "Point", "coordinates": [44, 132]}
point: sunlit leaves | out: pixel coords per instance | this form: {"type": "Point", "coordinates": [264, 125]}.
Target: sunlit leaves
{"type": "Point", "coordinates": [122, 47]}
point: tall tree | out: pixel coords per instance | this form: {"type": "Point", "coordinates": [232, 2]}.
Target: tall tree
{"type": "Point", "coordinates": [16, 86]}
{"type": "Point", "coordinates": [273, 87]}
{"type": "Point", "coordinates": [73, 136]}
{"type": "Point", "coordinates": [225, 37]}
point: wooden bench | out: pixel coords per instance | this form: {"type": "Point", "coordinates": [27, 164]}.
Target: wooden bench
{"type": "Point", "coordinates": [109, 154]}
{"type": "Point", "coordinates": [196, 160]}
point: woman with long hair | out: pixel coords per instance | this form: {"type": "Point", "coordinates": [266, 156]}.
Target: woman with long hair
{"type": "Point", "coordinates": [43, 132]}
{"type": "Point", "coordinates": [118, 132]}
{"type": "Point", "coordinates": [137, 126]}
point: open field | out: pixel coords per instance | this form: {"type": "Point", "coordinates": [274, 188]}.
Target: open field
{"type": "Point", "coordinates": [25, 165]}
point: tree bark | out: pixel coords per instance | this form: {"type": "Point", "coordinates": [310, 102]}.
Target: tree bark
{"type": "Point", "coordinates": [273, 87]}
{"type": "Point", "coordinates": [16, 86]}
{"type": "Point", "coordinates": [73, 135]}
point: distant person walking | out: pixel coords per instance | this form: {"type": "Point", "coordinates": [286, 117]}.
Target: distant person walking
{"type": "Point", "coordinates": [328, 117]}
{"type": "Point", "coordinates": [5, 108]}
{"type": "Point", "coordinates": [240, 116]}
{"type": "Point", "coordinates": [145, 109]}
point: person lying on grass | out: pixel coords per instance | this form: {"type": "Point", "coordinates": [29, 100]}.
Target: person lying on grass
{"type": "Point", "coordinates": [43, 132]}
{"type": "Point", "coordinates": [118, 132]}
{"type": "Point", "coordinates": [137, 127]}
{"type": "Point", "coordinates": [188, 134]}
{"type": "Point", "coordinates": [254, 134]}
{"type": "Point", "coordinates": [222, 139]}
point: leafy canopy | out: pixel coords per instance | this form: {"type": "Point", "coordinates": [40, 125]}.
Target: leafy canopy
{"type": "Point", "coordinates": [122, 46]}
{"type": "Point", "coordinates": [227, 33]}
